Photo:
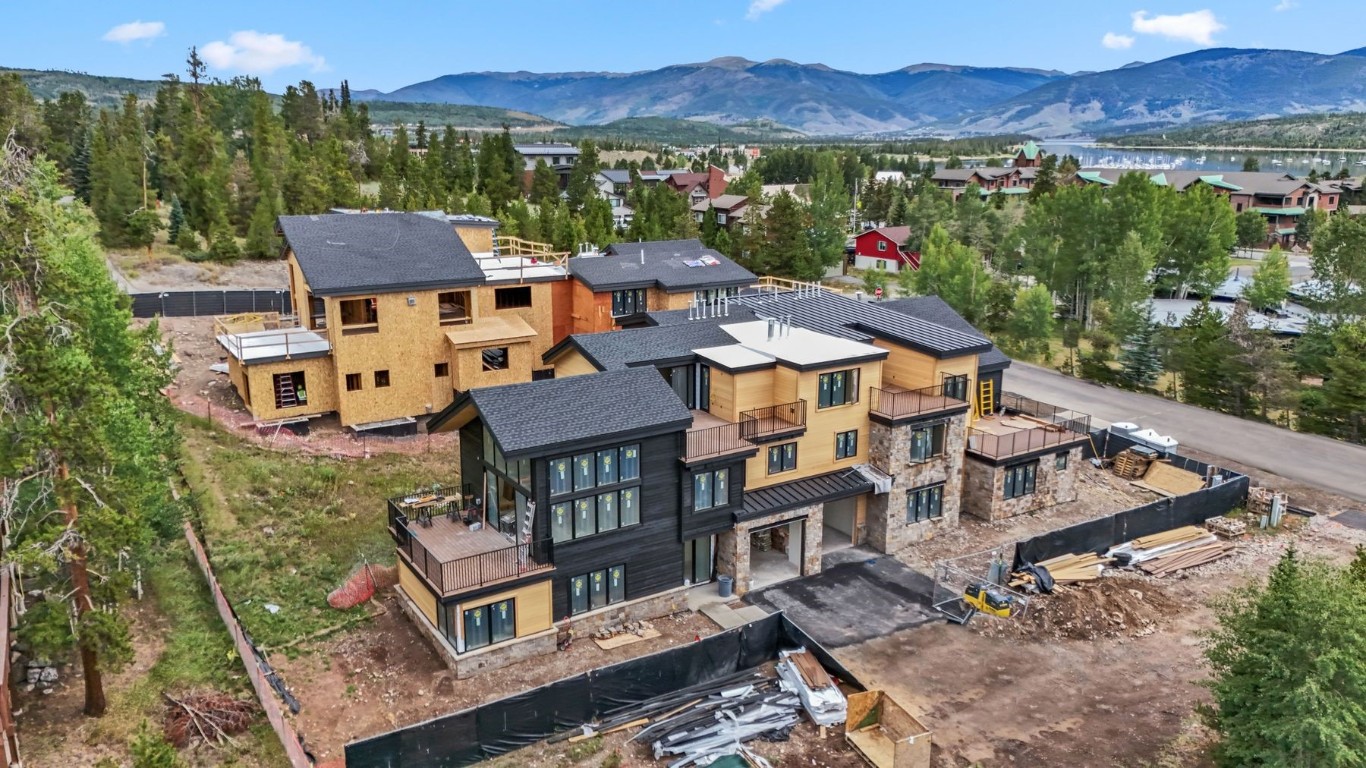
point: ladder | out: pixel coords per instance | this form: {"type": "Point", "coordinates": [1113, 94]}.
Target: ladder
{"type": "Point", "coordinates": [285, 397]}
{"type": "Point", "coordinates": [986, 397]}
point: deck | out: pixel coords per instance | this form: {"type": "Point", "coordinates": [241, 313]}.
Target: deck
{"type": "Point", "coordinates": [1003, 436]}
{"type": "Point", "coordinates": [893, 402]}
{"type": "Point", "coordinates": [453, 556]}
{"type": "Point", "coordinates": [712, 437]}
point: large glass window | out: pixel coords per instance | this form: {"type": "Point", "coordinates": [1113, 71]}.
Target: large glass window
{"type": "Point", "coordinates": [956, 387]}
{"type": "Point", "coordinates": [630, 506]}
{"type": "Point", "coordinates": [578, 594]}
{"type": "Point", "coordinates": [630, 463]}
{"type": "Point", "coordinates": [597, 589]}
{"type": "Point", "coordinates": [583, 471]}
{"type": "Point", "coordinates": [628, 302]}
{"type": "Point", "coordinates": [925, 503]}
{"type": "Point", "coordinates": [782, 458]}
{"type": "Point", "coordinates": [927, 442]}
{"type": "Point", "coordinates": [837, 388]}
{"type": "Point", "coordinates": [560, 481]}
{"type": "Point", "coordinates": [710, 489]}
{"type": "Point", "coordinates": [561, 522]}
{"type": "Point", "coordinates": [607, 512]}
{"type": "Point", "coordinates": [607, 467]}
{"type": "Point", "coordinates": [585, 478]}
{"type": "Point", "coordinates": [585, 517]}
{"type": "Point", "coordinates": [616, 584]}
{"type": "Point", "coordinates": [1019, 479]}
{"type": "Point", "coordinates": [488, 624]}
{"type": "Point", "coordinates": [846, 444]}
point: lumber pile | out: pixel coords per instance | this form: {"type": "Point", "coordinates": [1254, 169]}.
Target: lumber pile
{"type": "Point", "coordinates": [819, 695]}
{"type": "Point", "coordinates": [1131, 464]}
{"type": "Point", "coordinates": [1227, 527]}
{"type": "Point", "coordinates": [1065, 569]}
{"type": "Point", "coordinates": [1185, 558]}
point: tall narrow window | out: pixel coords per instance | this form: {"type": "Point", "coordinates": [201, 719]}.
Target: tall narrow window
{"type": "Point", "coordinates": [630, 463]}
{"type": "Point", "coordinates": [585, 517]}
{"type": "Point", "coordinates": [607, 512]}
{"type": "Point", "coordinates": [837, 388]}
{"type": "Point", "coordinates": [630, 506]}
{"type": "Point", "coordinates": [782, 458]}
{"type": "Point", "coordinates": [846, 444]}
{"type": "Point", "coordinates": [616, 584]}
{"type": "Point", "coordinates": [560, 481]}
{"type": "Point", "coordinates": [561, 522]}
{"type": "Point", "coordinates": [583, 471]}
{"type": "Point", "coordinates": [578, 594]}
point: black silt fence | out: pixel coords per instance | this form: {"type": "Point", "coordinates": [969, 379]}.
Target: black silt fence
{"type": "Point", "coordinates": [470, 736]}
{"type": "Point", "coordinates": [201, 303]}
{"type": "Point", "coordinates": [1155, 517]}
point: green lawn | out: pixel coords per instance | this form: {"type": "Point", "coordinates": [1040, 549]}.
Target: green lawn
{"type": "Point", "coordinates": [286, 529]}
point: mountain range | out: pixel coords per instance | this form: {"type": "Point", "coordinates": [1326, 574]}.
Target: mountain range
{"type": "Point", "coordinates": [1204, 86]}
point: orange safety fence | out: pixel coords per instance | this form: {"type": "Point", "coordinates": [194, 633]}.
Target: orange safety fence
{"type": "Point", "coordinates": [265, 692]}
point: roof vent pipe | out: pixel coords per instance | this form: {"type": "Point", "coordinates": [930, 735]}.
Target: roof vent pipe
{"type": "Point", "coordinates": [789, 326]}
{"type": "Point", "coordinates": [725, 305]}
{"type": "Point", "coordinates": [770, 329]}
{"type": "Point", "coordinates": [642, 257]}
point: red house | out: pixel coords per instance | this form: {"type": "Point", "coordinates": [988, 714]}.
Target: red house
{"type": "Point", "coordinates": [881, 249]}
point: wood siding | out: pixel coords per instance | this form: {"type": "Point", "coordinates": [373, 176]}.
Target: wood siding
{"type": "Point", "coordinates": [417, 591]}
{"type": "Point", "coordinates": [319, 384]}
{"type": "Point", "coordinates": [533, 607]}
{"type": "Point", "coordinates": [467, 366]}
{"type": "Point", "coordinates": [571, 362]}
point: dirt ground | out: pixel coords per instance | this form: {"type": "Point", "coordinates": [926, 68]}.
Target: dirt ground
{"type": "Point", "coordinates": [200, 391]}
{"type": "Point", "coordinates": [166, 271]}
{"type": "Point", "coordinates": [1034, 694]}
{"type": "Point", "coordinates": [383, 675]}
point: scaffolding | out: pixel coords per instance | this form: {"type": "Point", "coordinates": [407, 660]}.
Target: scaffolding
{"type": "Point", "coordinates": [988, 569]}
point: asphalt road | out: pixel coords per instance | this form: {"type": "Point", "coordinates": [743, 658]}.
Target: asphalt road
{"type": "Point", "coordinates": [1319, 461]}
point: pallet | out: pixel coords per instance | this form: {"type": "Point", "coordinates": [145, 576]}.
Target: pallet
{"type": "Point", "coordinates": [626, 638]}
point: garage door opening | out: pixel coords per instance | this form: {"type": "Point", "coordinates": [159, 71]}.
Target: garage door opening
{"type": "Point", "coordinates": [839, 518]}
{"type": "Point", "coordinates": [775, 553]}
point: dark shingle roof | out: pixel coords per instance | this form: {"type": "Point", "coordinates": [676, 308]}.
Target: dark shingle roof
{"type": "Point", "coordinates": [614, 350]}
{"type": "Point", "coordinates": [665, 267]}
{"type": "Point", "coordinates": [936, 310]}
{"type": "Point", "coordinates": [798, 493]}
{"type": "Point", "coordinates": [378, 253]}
{"type": "Point", "coordinates": [599, 406]}
{"type": "Point", "coordinates": [840, 315]}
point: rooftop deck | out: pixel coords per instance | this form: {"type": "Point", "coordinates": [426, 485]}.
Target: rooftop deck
{"type": "Point", "coordinates": [261, 337]}
{"type": "Point", "coordinates": [712, 437]}
{"type": "Point", "coordinates": [893, 403]}
{"type": "Point", "coordinates": [455, 550]}
{"type": "Point", "coordinates": [1025, 426]}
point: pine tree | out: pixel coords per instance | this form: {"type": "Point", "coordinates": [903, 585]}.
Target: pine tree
{"type": "Point", "coordinates": [1046, 180]}
{"type": "Point", "coordinates": [176, 220]}
{"type": "Point", "coordinates": [787, 249]}
{"type": "Point", "coordinates": [390, 191]}
{"type": "Point", "coordinates": [262, 242]}
{"type": "Point", "coordinates": [1140, 359]}
{"type": "Point", "coordinates": [545, 184]}
{"type": "Point", "coordinates": [85, 432]}
{"type": "Point", "coordinates": [580, 187]}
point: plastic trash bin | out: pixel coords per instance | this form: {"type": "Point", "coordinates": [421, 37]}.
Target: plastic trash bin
{"type": "Point", "coordinates": [725, 586]}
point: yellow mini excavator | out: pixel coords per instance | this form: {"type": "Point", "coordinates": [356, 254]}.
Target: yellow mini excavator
{"type": "Point", "coordinates": [982, 597]}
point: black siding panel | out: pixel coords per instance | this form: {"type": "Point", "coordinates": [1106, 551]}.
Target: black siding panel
{"type": "Point", "coordinates": [716, 519]}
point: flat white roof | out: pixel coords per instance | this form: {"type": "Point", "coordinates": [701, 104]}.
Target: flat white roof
{"type": "Point", "coordinates": [266, 346]}
{"type": "Point", "coordinates": [516, 267]}
{"type": "Point", "coordinates": [798, 346]}
{"type": "Point", "coordinates": [734, 356]}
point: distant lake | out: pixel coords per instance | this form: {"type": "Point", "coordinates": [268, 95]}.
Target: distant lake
{"type": "Point", "coordinates": [1298, 162]}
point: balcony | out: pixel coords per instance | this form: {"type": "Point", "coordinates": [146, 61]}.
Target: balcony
{"type": "Point", "coordinates": [260, 337]}
{"type": "Point", "coordinates": [1026, 426]}
{"type": "Point", "coordinates": [712, 437]}
{"type": "Point", "coordinates": [892, 403]}
{"type": "Point", "coordinates": [455, 551]}
{"type": "Point", "coordinates": [773, 422]}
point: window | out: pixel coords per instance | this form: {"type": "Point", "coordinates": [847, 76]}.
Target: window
{"type": "Point", "coordinates": [353, 382]}
{"type": "Point", "coordinates": [630, 506]}
{"type": "Point", "coordinates": [495, 358]}
{"type": "Point", "coordinates": [956, 387]}
{"type": "Point", "coordinates": [585, 517]}
{"type": "Point", "coordinates": [512, 298]}
{"type": "Point", "coordinates": [453, 307]}
{"type": "Point", "coordinates": [838, 388]}
{"type": "Point", "coordinates": [441, 370]}
{"type": "Point", "coordinates": [593, 478]}
{"type": "Point", "coordinates": [846, 444]}
{"type": "Point", "coordinates": [598, 589]}
{"type": "Point", "coordinates": [607, 467]}
{"type": "Point", "coordinates": [290, 390]}
{"type": "Point", "coordinates": [925, 503]}
{"type": "Point", "coordinates": [381, 379]}
{"type": "Point", "coordinates": [560, 481]}
{"type": "Point", "coordinates": [561, 522]}
{"type": "Point", "coordinates": [607, 512]}
{"type": "Point", "coordinates": [1060, 461]}
{"type": "Point", "coordinates": [711, 489]}
{"type": "Point", "coordinates": [720, 219]}
{"type": "Point", "coordinates": [628, 302]}
{"type": "Point", "coordinates": [359, 315]}
{"type": "Point", "coordinates": [489, 624]}
{"type": "Point", "coordinates": [630, 462]}
{"type": "Point", "coordinates": [782, 458]}
{"type": "Point", "coordinates": [1239, 208]}
{"type": "Point", "coordinates": [586, 471]}
{"type": "Point", "coordinates": [882, 245]}
{"type": "Point", "coordinates": [927, 442]}
{"type": "Point", "coordinates": [1019, 479]}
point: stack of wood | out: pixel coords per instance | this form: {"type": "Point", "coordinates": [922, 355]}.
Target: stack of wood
{"type": "Point", "coordinates": [822, 699]}
{"type": "Point", "coordinates": [1173, 550]}
{"type": "Point", "coordinates": [1227, 527]}
{"type": "Point", "coordinates": [1185, 558]}
{"type": "Point", "coordinates": [1131, 465]}
{"type": "Point", "coordinates": [1066, 569]}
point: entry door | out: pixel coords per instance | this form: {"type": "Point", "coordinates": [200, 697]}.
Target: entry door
{"type": "Point", "coordinates": [698, 559]}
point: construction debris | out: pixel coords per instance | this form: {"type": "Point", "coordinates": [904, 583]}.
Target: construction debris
{"type": "Point", "coordinates": [1107, 608]}
{"type": "Point", "coordinates": [1168, 480]}
{"type": "Point", "coordinates": [1132, 463]}
{"type": "Point", "coordinates": [820, 696]}
{"type": "Point", "coordinates": [1227, 527]}
{"type": "Point", "coordinates": [1267, 506]}
{"type": "Point", "coordinates": [616, 636]}
{"type": "Point", "coordinates": [213, 718]}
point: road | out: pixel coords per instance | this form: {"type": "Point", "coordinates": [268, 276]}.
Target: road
{"type": "Point", "coordinates": [1319, 461]}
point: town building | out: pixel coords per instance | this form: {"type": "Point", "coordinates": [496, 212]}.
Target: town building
{"type": "Point", "coordinates": [697, 187]}
{"type": "Point", "coordinates": [728, 210]}
{"type": "Point", "coordinates": [560, 157]}
{"type": "Point", "coordinates": [1029, 156]}
{"type": "Point", "coordinates": [884, 248]}
{"type": "Point", "coordinates": [989, 181]}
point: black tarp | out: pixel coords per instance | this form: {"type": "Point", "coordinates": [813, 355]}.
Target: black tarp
{"type": "Point", "coordinates": [498, 727]}
{"type": "Point", "coordinates": [201, 303]}
{"type": "Point", "coordinates": [1162, 515]}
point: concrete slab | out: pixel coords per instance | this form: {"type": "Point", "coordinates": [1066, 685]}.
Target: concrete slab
{"type": "Point", "coordinates": [724, 616]}
{"type": "Point", "coordinates": [853, 602]}
{"type": "Point", "coordinates": [1351, 518]}
{"type": "Point", "coordinates": [751, 613]}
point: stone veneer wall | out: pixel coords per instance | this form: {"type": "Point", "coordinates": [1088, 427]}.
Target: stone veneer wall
{"type": "Point", "coordinates": [984, 486]}
{"type": "Point", "coordinates": [732, 547]}
{"type": "Point", "coordinates": [472, 663]}
{"type": "Point", "coordinates": [889, 449]}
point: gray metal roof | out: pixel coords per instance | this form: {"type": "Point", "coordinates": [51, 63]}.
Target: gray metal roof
{"type": "Point", "coordinates": [378, 253]}
{"type": "Point", "coordinates": [839, 315]}
{"type": "Point", "coordinates": [831, 486]}
{"type": "Point", "coordinates": [616, 175]}
{"type": "Point", "coordinates": [664, 265]}
{"type": "Point", "coordinates": [597, 407]}
{"type": "Point", "coordinates": [936, 310]}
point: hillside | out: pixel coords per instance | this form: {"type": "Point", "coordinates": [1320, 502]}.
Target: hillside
{"type": "Point", "coordinates": [1206, 86]}
{"type": "Point", "coordinates": [811, 98]}
{"type": "Point", "coordinates": [670, 130]}
{"type": "Point", "coordinates": [100, 90]}
{"type": "Point", "coordinates": [1340, 131]}
{"type": "Point", "coordinates": [457, 115]}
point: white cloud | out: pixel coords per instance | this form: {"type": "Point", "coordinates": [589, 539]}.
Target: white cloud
{"type": "Point", "coordinates": [1285, 5]}
{"type": "Point", "coordinates": [135, 30]}
{"type": "Point", "coordinates": [1117, 42]}
{"type": "Point", "coordinates": [257, 53]}
{"type": "Point", "coordinates": [1197, 26]}
{"type": "Point", "coordinates": [758, 8]}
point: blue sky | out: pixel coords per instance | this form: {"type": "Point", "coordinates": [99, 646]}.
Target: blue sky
{"type": "Point", "coordinates": [388, 45]}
